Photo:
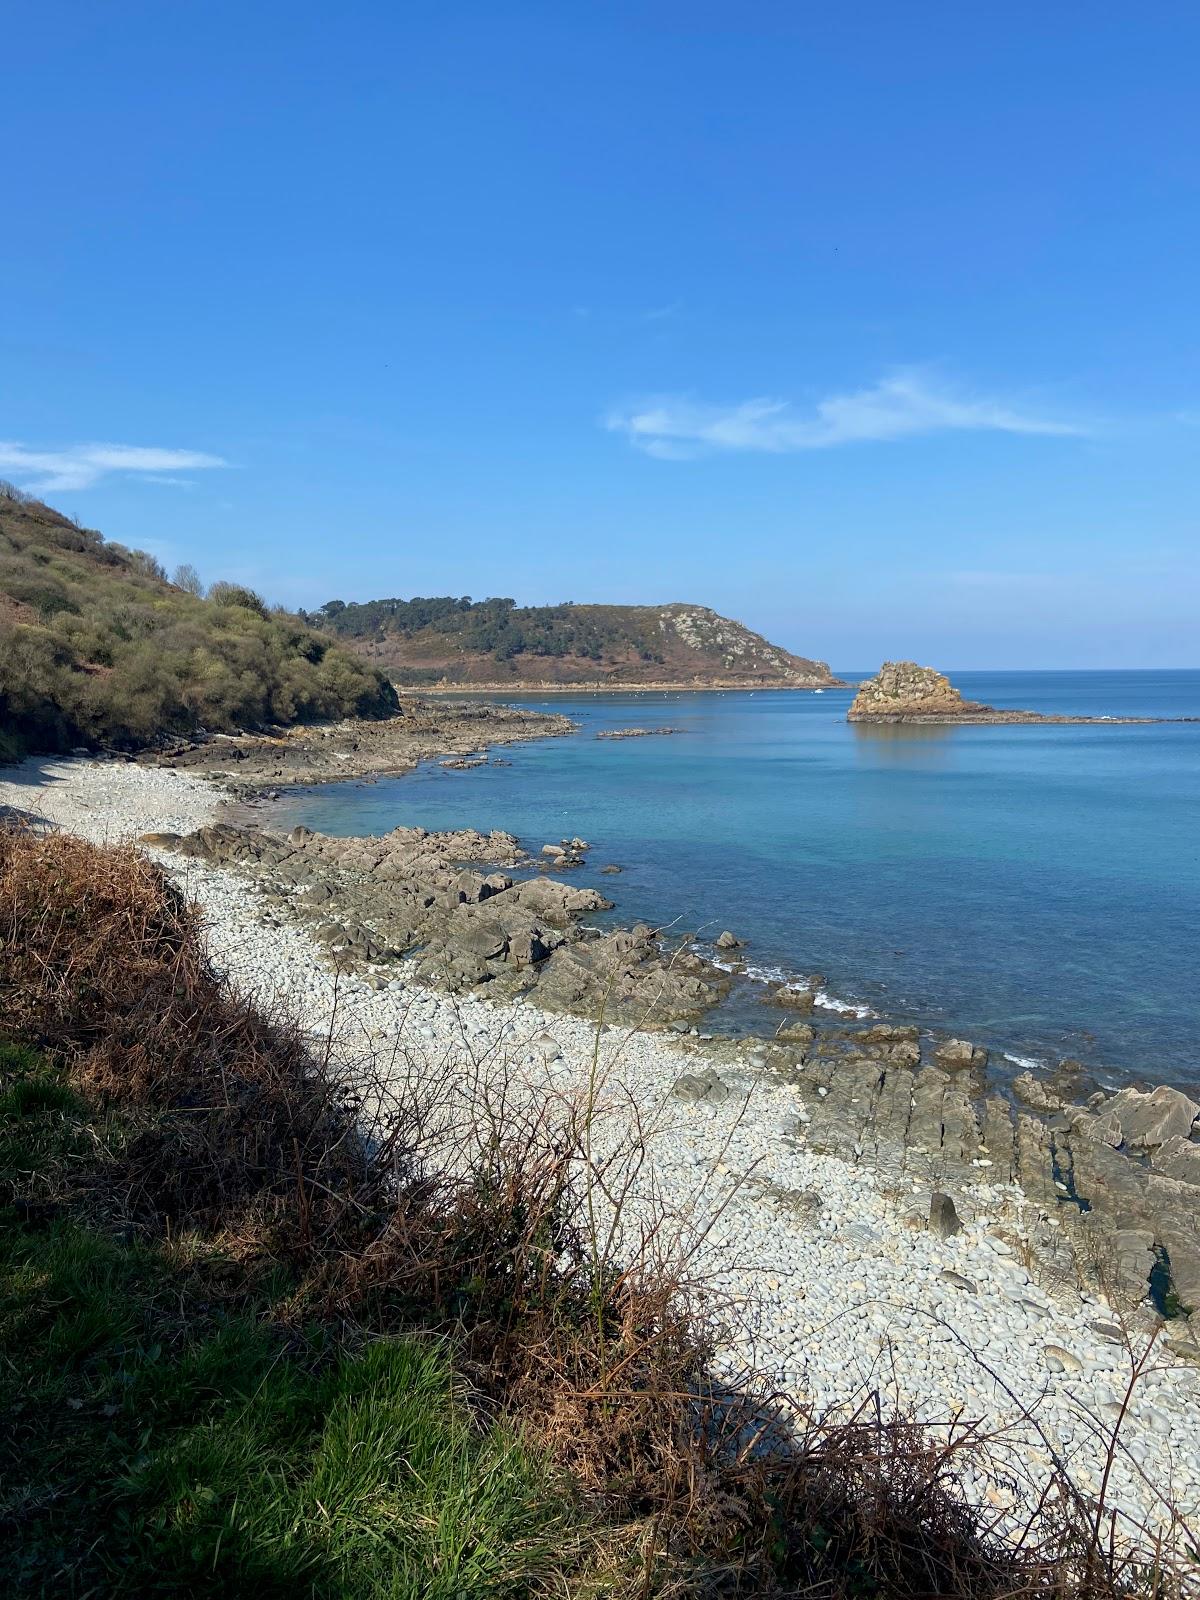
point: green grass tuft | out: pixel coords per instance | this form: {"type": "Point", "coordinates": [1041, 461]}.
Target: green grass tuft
{"type": "Point", "coordinates": [154, 1447]}
{"type": "Point", "coordinates": [160, 1438]}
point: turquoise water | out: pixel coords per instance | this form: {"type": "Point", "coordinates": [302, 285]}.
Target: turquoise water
{"type": "Point", "coordinates": [1037, 888]}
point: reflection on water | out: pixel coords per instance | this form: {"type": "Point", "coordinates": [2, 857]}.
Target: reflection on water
{"type": "Point", "coordinates": [902, 743]}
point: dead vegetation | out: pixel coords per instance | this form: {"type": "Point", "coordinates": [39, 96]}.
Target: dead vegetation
{"type": "Point", "coordinates": [462, 1208]}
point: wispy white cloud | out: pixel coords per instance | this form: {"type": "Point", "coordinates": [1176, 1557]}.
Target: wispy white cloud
{"type": "Point", "coordinates": [897, 407]}
{"type": "Point", "coordinates": [79, 466]}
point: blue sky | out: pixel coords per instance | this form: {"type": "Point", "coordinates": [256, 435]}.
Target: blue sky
{"type": "Point", "coordinates": [872, 325]}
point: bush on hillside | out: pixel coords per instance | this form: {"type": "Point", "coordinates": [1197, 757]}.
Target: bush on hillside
{"type": "Point", "coordinates": [97, 648]}
{"type": "Point", "coordinates": [186, 577]}
{"type": "Point", "coordinates": [236, 594]}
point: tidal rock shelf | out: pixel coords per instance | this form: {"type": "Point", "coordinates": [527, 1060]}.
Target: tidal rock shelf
{"type": "Point", "coordinates": [251, 763]}
{"type": "Point", "coordinates": [883, 1226]}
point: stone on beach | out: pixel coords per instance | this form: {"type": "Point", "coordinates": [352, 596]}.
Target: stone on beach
{"type": "Point", "coordinates": [700, 1086]}
{"type": "Point", "coordinates": [794, 998]}
{"type": "Point", "coordinates": [943, 1218]}
{"type": "Point", "coordinates": [1178, 1157]}
{"type": "Point", "coordinates": [955, 1055]}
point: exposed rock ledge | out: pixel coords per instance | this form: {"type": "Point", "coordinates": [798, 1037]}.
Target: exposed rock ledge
{"type": "Point", "coordinates": [901, 691]}
{"type": "Point", "coordinates": [445, 901]}
{"type": "Point", "coordinates": [324, 752]}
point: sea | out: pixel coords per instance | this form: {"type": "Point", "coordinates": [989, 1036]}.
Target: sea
{"type": "Point", "coordinates": [1035, 889]}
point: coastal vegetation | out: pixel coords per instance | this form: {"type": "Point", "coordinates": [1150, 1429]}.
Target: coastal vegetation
{"type": "Point", "coordinates": [99, 648]}
{"type": "Point", "coordinates": [265, 1335]}
{"type": "Point", "coordinates": [460, 640]}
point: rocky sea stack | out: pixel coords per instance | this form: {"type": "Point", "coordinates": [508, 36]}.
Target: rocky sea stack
{"type": "Point", "coordinates": [902, 689]}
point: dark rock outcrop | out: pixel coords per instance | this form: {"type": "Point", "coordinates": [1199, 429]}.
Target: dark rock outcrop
{"type": "Point", "coordinates": [443, 900]}
{"type": "Point", "coordinates": [1097, 1213]}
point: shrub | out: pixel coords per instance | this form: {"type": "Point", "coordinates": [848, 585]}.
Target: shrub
{"type": "Point", "coordinates": [186, 577]}
{"type": "Point", "coordinates": [149, 566]}
{"type": "Point", "coordinates": [236, 594]}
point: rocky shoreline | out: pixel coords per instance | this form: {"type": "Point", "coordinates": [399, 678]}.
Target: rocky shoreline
{"type": "Point", "coordinates": [887, 1214]}
{"type": "Point", "coordinates": [989, 716]}
{"type": "Point", "coordinates": [1118, 1174]}
{"type": "Point", "coordinates": [251, 763]}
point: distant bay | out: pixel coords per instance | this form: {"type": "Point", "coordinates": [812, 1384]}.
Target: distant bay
{"type": "Point", "coordinates": [1035, 888]}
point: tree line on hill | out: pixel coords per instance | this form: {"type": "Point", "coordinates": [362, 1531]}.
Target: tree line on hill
{"type": "Point", "coordinates": [498, 627]}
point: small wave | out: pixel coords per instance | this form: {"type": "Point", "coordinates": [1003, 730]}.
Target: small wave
{"type": "Point", "coordinates": [772, 975]}
{"type": "Point", "coordinates": [848, 1008]}
{"type": "Point", "coordinates": [789, 980]}
{"type": "Point", "coordinates": [1027, 1063]}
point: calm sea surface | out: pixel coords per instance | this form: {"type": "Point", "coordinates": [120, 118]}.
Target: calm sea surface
{"type": "Point", "coordinates": [1035, 888]}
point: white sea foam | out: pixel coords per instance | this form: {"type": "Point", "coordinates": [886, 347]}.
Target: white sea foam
{"type": "Point", "coordinates": [848, 1008]}
{"type": "Point", "coordinates": [772, 975]}
{"type": "Point", "coordinates": [821, 997]}
{"type": "Point", "coordinates": [1027, 1063]}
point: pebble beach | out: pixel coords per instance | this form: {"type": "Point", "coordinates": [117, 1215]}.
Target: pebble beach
{"type": "Point", "coordinates": [833, 1296]}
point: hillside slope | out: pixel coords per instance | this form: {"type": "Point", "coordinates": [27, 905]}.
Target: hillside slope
{"type": "Point", "coordinates": [466, 642]}
{"type": "Point", "coordinates": [98, 649]}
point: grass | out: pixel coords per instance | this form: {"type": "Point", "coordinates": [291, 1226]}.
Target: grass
{"type": "Point", "coordinates": [162, 1436]}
